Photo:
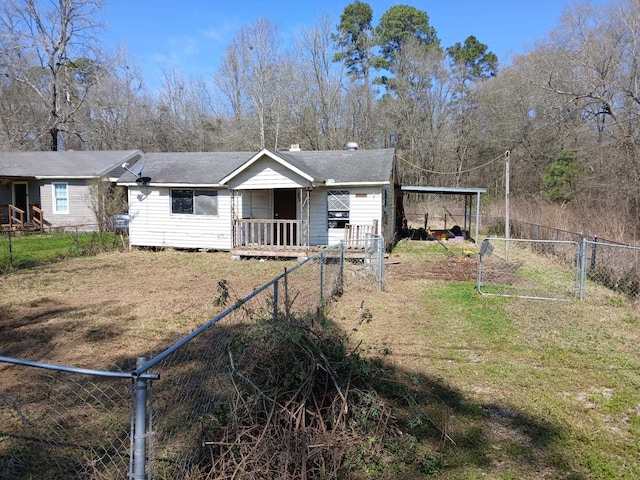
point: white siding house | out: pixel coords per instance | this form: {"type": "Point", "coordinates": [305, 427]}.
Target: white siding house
{"type": "Point", "coordinates": [266, 203]}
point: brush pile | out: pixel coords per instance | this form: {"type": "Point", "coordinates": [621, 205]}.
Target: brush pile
{"type": "Point", "coordinates": [300, 406]}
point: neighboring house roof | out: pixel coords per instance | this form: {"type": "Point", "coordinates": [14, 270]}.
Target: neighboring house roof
{"type": "Point", "coordinates": [66, 164]}
{"type": "Point", "coordinates": [339, 167]}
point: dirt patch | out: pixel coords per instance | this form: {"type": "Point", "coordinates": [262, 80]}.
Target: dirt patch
{"type": "Point", "coordinates": [458, 268]}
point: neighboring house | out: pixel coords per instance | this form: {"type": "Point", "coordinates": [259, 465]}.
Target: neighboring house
{"type": "Point", "coordinates": [42, 190]}
{"type": "Point", "coordinates": [271, 203]}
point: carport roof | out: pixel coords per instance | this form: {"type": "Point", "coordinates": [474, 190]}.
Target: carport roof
{"type": "Point", "coordinates": [467, 192]}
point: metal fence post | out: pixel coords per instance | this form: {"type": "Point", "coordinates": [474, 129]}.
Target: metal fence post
{"type": "Point", "coordinates": [10, 248]}
{"type": "Point", "coordinates": [582, 264]}
{"type": "Point", "coordinates": [140, 430]}
{"type": "Point", "coordinates": [341, 273]}
{"type": "Point", "coordinates": [321, 298]}
{"type": "Point", "coordinates": [380, 262]}
{"type": "Point", "coordinates": [593, 253]}
{"type": "Point", "coordinates": [275, 298]}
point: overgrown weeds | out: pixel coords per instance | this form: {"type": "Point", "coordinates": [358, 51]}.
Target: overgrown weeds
{"type": "Point", "coordinates": [306, 406]}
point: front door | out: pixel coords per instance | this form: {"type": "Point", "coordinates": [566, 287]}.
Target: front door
{"type": "Point", "coordinates": [285, 208]}
{"type": "Point", "coordinates": [21, 198]}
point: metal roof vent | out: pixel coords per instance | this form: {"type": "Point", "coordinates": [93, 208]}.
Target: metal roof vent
{"type": "Point", "coordinates": [351, 146]}
{"type": "Point", "coordinates": [295, 147]}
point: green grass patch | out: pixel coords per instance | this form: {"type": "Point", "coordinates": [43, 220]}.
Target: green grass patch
{"type": "Point", "coordinates": [20, 251]}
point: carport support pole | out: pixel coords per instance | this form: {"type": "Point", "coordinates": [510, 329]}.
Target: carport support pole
{"type": "Point", "coordinates": [477, 216]}
{"type": "Point", "coordinates": [140, 432]}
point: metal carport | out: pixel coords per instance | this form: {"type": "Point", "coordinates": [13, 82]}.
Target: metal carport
{"type": "Point", "coordinates": [468, 194]}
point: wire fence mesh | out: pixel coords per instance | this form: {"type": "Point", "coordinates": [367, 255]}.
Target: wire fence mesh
{"type": "Point", "coordinates": [369, 264]}
{"type": "Point", "coordinates": [614, 266]}
{"type": "Point", "coordinates": [194, 396]}
{"type": "Point", "coordinates": [65, 422]}
{"type": "Point", "coordinates": [64, 425]}
{"type": "Point", "coordinates": [528, 268]}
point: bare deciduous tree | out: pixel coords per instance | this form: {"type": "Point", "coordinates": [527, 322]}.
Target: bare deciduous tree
{"type": "Point", "coordinates": [252, 81]}
{"type": "Point", "coordinates": [50, 47]}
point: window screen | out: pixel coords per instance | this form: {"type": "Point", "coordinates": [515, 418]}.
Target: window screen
{"type": "Point", "coordinates": [338, 208]}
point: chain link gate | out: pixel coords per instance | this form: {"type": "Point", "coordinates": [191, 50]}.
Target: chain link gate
{"type": "Point", "coordinates": [536, 269]}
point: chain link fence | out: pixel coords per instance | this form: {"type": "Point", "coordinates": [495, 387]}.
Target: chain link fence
{"type": "Point", "coordinates": [163, 417]}
{"type": "Point", "coordinates": [557, 269]}
{"type": "Point", "coordinates": [369, 260]}
{"type": "Point", "coordinates": [528, 268]}
{"type": "Point", "coordinates": [30, 249]}
{"type": "Point", "coordinates": [612, 265]}
{"type": "Point", "coordinates": [57, 424]}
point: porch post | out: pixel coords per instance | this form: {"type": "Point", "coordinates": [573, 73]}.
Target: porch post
{"type": "Point", "coordinates": [234, 226]}
{"type": "Point", "coordinates": [308, 227]}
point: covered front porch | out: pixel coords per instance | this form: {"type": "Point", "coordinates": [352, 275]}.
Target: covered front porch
{"type": "Point", "coordinates": [19, 206]}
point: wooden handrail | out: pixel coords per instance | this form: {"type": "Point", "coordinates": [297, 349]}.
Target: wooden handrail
{"type": "Point", "coordinates": [16, 222]}
{"type": "Point", "coordinates": [37, 217]}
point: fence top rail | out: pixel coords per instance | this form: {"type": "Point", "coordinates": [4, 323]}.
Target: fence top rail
{"type": "Point", "coordinates": [528, 240]}
{"type": "Point", "coordinates": [157, 359]}
{"type": "Point", "coordinates": [141, 371]}
{"type": "Point", "coordinates": [601, 243]}
{"type": "Point", "coordinates": [77, 370]}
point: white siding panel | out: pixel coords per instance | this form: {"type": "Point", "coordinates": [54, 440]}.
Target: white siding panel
{"type": "Point", "coordinates": [365, 206]}
{"type": "Point", "coordinates": [153, 225]}
{"type": "Point", "coordinates": [318, 231]}
{"type": "Point", "coordinates": [260, 204]}
{"type": "Point", "coordinates": [266, 174]}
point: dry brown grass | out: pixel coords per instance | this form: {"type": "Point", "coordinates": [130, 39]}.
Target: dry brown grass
{"type": "Point", "coordinates": [503, 388]}
{"type": "Point", "coordinates": [86, 312]}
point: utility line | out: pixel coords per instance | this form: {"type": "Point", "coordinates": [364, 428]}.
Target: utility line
{"type": "Point", "coordinates": [451, 173]}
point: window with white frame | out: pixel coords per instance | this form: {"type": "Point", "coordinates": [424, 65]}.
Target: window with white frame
{"type": "Point", "coordinates": [60, 198]}
{"type": "Point", "coordinates": [194, 202]}
{"type": "Point", "coordinates": [338, 208]}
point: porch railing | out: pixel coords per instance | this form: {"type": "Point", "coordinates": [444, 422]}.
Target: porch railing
{"type": "Point", "coordinates": [17, 218]}
{"type": "Point", "coordinates": [37, 218]}
{"type": "Point", "coordinates": [268, 233]}
{"type": "Point", "coordinates": [355, 233]}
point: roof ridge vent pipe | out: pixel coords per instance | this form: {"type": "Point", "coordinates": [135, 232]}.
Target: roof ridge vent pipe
{"type": "Point", "coordinates": [351, 146]}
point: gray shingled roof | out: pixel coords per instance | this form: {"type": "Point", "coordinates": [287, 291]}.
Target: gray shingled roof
{"type": "Point", "coordinates": [190, 168]}
{"type": "Point", "coordinates": [65, 164]}
{"type": "Point", "coordinates": [209, 168]}
{"type": "Point", "coordinates": [344, 166]}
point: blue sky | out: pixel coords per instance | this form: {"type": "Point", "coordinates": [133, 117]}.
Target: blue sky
{"type": "Point", "coordinates": [191, 35]}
